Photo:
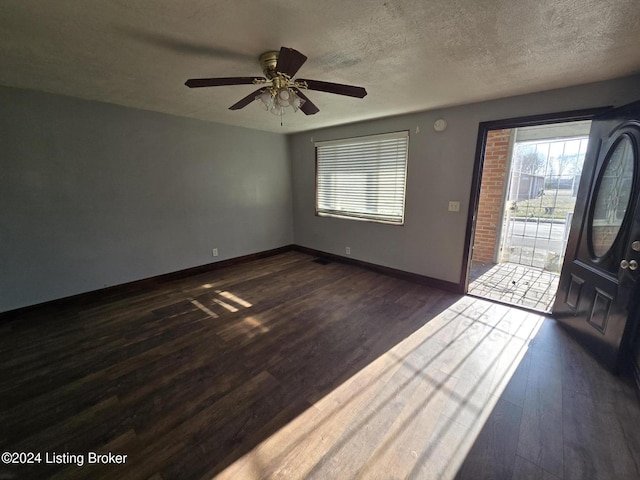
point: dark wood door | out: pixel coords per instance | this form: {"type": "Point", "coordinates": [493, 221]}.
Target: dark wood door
{"type": "Point", "coordinates": [598, 293]}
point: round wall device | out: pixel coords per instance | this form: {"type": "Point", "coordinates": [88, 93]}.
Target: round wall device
{"type": "Point", "coordinates": [440, 125]}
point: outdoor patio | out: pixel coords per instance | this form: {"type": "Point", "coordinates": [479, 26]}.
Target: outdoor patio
{"type": "Point", "coordinates": [514, 284]}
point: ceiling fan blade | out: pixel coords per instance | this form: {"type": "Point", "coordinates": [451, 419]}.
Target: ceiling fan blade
{"type": "Point", "coordinates": [308, 108]}
{"type": "Point", "coordinates": [246, 100]}
{"type": "Point", "coordinates": [218, 82]}
{"type": "Point", "coordinates": [290, 61]}
{"type": "Point", "coordinates": [337, 88]}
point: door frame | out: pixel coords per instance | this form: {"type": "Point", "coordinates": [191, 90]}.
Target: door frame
{"type": "Point", "coordinates": [476, 181]}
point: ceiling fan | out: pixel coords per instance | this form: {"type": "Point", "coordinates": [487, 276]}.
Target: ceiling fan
{"type": "Point", "coordinates": [278, 89]}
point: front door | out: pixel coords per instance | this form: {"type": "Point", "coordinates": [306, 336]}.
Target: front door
{"type": "Point", "coordinates": [598, 292]}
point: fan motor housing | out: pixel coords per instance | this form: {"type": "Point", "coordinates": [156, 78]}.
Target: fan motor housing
{"type": "Point", "coordinates": [268, 62]}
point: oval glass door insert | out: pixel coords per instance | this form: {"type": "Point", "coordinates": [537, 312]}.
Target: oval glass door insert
{"type": "Point", "coordinates": [612, 197]}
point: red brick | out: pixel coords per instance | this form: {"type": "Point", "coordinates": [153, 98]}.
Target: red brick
{"type": "Point", "coordinates": [489, 207]}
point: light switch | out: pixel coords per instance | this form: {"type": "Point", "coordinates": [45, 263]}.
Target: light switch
{"type": "Point", "coordinates": [454, 206]}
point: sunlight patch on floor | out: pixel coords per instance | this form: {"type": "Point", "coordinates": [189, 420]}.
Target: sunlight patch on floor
{"type": "Point", "coordinates": [414, 411]}
{"type": "Point", "coordinates": [231, 308]}
{"type": "Point", "coordinates": [234, 298]}
{"type": "Point", "coordinates": [255, 323]}
{"type": "Point", "coordinates": [204, 309]}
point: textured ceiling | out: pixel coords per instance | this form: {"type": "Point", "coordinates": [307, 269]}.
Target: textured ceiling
{"type": "Point", "coordinates": [409, 55]}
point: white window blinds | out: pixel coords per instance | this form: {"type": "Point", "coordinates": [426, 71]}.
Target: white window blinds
{"type": "Point", "coordinates": [363, 178]}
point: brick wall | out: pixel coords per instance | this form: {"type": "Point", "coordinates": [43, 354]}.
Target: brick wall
{"type": "Point", "coordinates": [490, 204]}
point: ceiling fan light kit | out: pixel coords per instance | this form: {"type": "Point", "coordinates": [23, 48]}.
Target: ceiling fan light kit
{"type": "Point", "coordinates": [277, 101]}
{"type": "Point", "coordinates": [279, 90]}
{"type": "Point", "coordinates": [280, 95]}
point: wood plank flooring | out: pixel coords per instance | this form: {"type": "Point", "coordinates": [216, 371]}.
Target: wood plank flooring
{"type": "Point", "coordinates": [284, 368]}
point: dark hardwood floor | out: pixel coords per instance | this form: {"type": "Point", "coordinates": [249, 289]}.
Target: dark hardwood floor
{"type": "Point", "coordinates": [287, 368]}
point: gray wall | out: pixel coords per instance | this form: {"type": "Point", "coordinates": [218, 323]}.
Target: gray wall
{"type": "Point", "coordinates": [94, 195]}
{"type": "Point", "coordinates": [440, 168]}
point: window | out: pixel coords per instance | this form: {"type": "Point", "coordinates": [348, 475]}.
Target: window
{"type": "Point", "coordinates": [363, 178]}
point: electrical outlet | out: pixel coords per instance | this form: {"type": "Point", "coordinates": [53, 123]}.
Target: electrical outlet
{"type": "Point", "coordinates": [348, 250]}
{"type": "Point", "coordinates": [454, 206]}
{"type": "Point", "coordinates": [214, 252]}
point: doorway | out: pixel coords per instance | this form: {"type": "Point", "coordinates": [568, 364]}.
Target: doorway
{"type": "Point", "coordinates": [527, 193]}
